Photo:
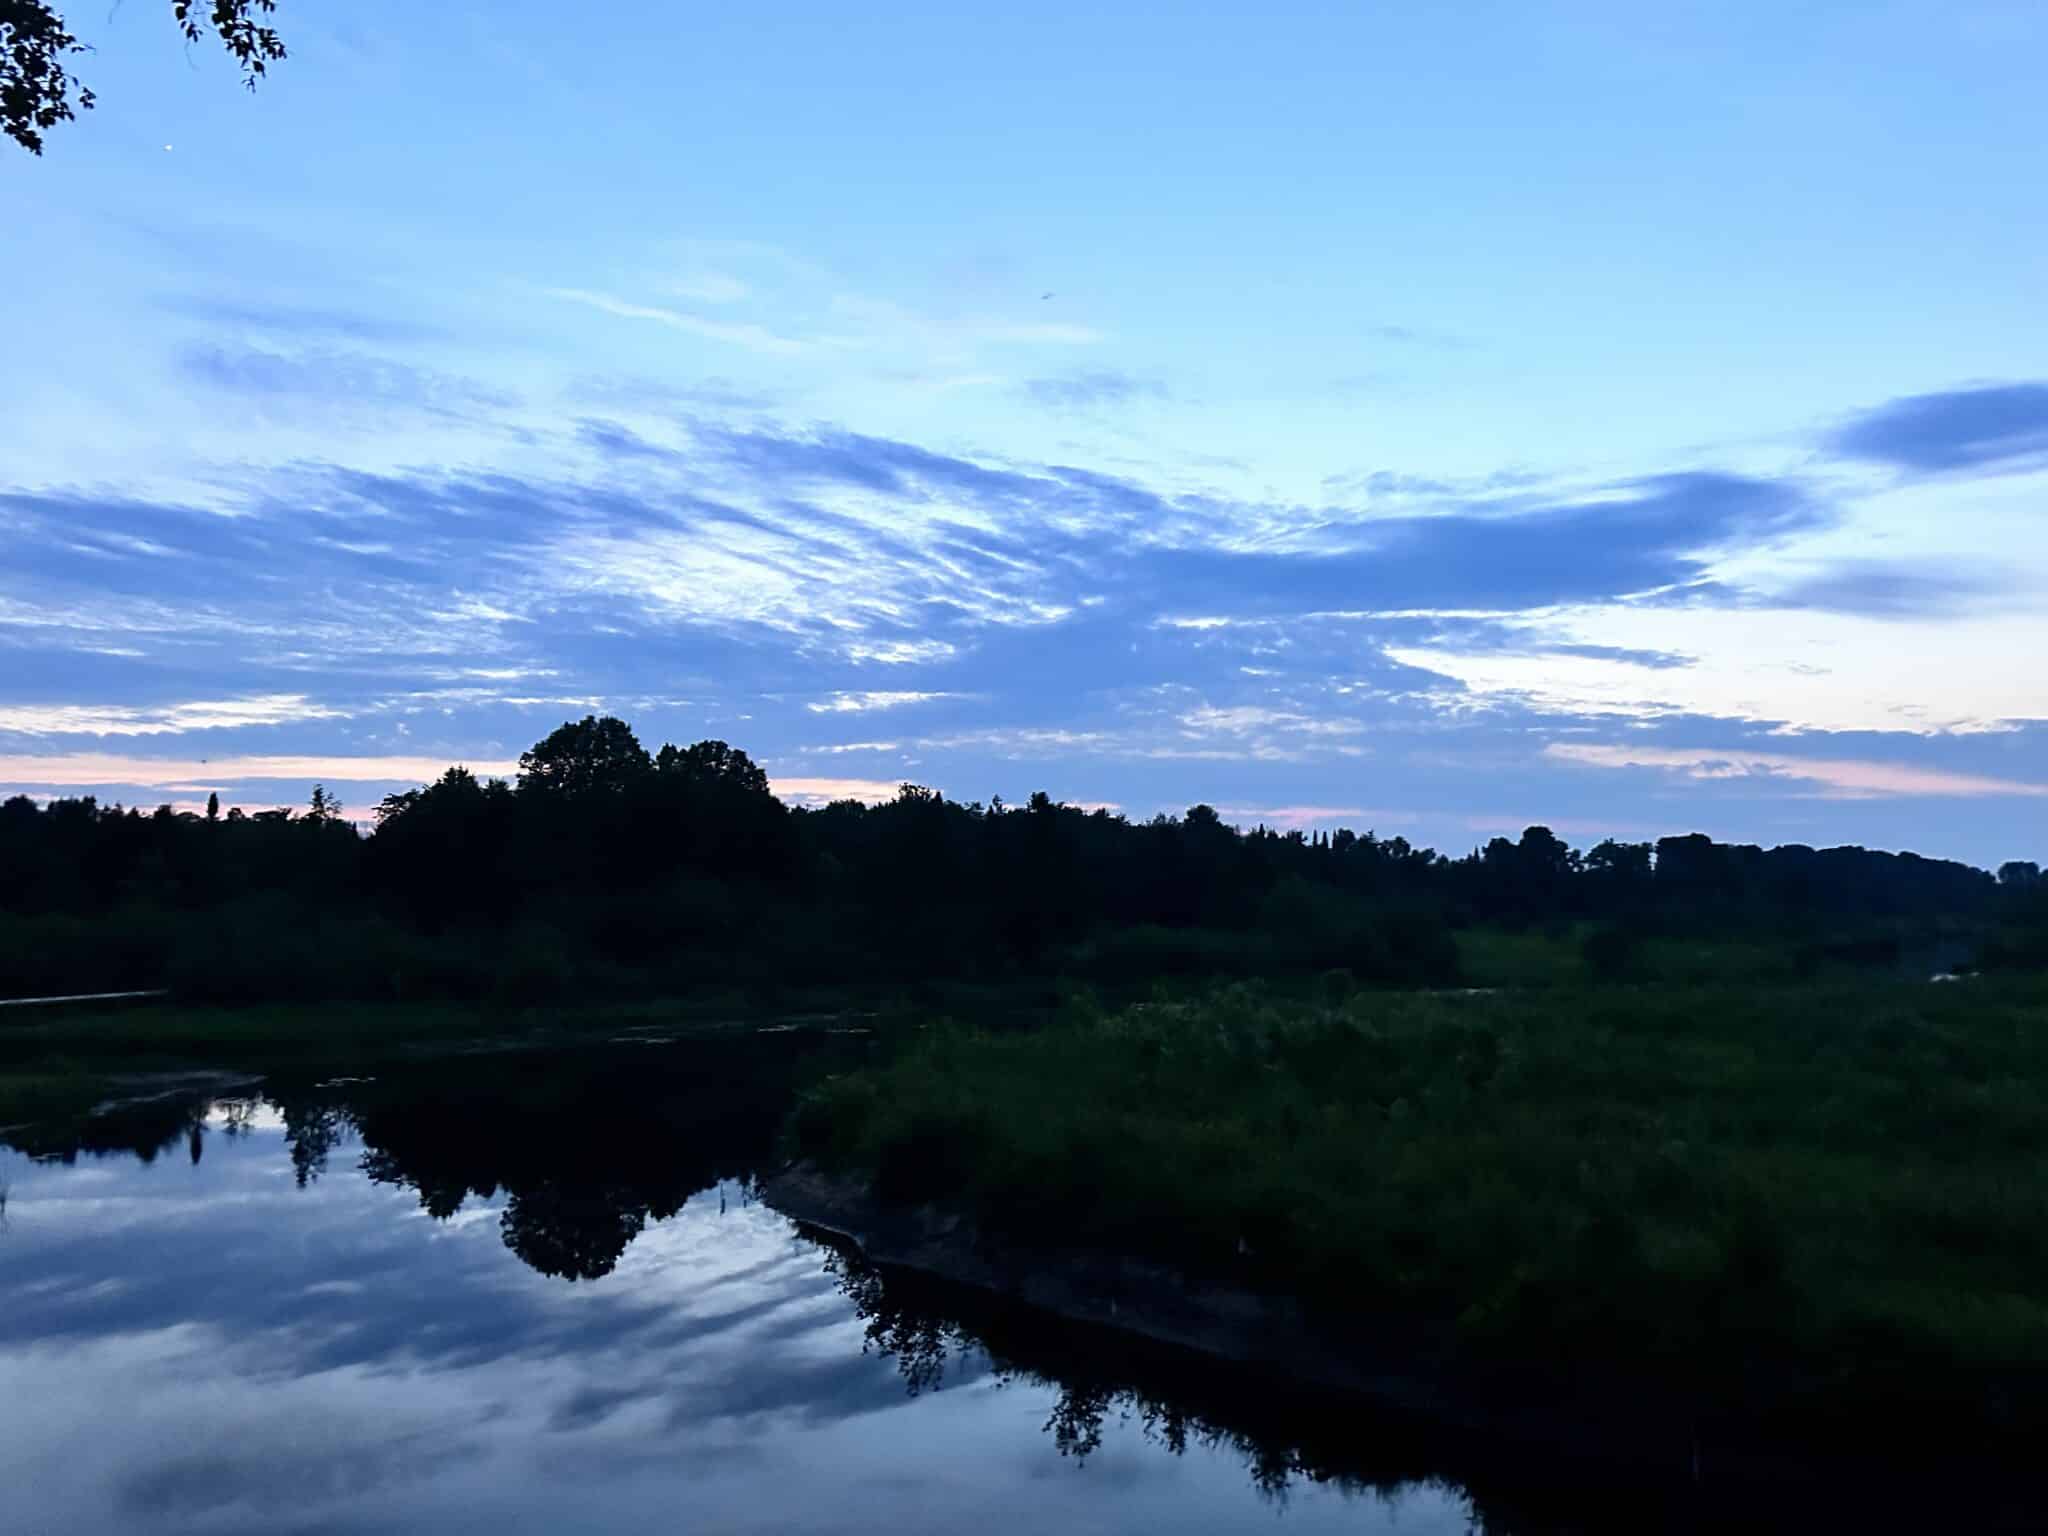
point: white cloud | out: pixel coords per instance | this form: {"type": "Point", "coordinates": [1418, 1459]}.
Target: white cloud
{"type": "Point", "coordinates": [897, 653]}
{"type": "Point", "coordinates": [466, 608]}
{"type": "Point", "coordinates": [1014, 741]}
{"type": "Point", "coordinates": [161, 720]}
{"type": "Point", "coordinates": [720, 573]}
{"type": "Point", "coordinates": [861, 703]}
{"type": "Point", "coordinates": [1242, 718]}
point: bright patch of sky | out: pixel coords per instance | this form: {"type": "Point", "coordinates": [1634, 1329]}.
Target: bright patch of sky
{"type": "Point", "coordinates": [1581, 413]}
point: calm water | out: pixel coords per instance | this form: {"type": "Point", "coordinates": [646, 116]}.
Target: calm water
{"type": "Point", "coordinates": [540, 1294]}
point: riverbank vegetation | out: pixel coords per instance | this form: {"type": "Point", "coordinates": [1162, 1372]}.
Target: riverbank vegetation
{"type": "Point", "coordinates": [609, 871]}
{"type": "Point", "coordinates": [1813, 1210]}
{"type": "Point", "coordinates": [57, 1063]}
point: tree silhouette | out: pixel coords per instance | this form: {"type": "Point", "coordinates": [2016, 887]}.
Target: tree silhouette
{"type": "Point", "coordinates": [713, 763]}
{"type": "Point", "coordinates": [38, 90]}
{"type": "Point", "coordinates": [587, 756]}
{"type": "Point", "coordinates": [610, 871]}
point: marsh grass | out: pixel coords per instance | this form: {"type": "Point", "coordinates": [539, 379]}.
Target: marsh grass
{"type": "Point", "coordinates": [1832, 1189]}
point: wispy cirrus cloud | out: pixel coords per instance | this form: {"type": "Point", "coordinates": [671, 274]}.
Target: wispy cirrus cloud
{"type": "Point", "coordinates": [867, 701]}
{"type": "Point", "coordinates": [162, 720]}
{"type": "Point", "coordinates": [1118, 631]}
{"type": "Point", "coordinates": [1846, 777]}
{"type": "Point", "coordinates": [858, 326]}
{"type": "Point", "coordinates": [901, 653]}
{"type": "Point", "coordinates": [739, 333]}
{"type": "Point", "coordinates": [878, 552]}
{"type": "Point", "coordinates": [780, 548]}
{"type": "Point", "coordinates": [1243, 719]}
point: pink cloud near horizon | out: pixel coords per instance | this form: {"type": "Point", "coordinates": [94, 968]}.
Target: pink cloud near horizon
{"type": "Point", "coordinates": [1839, 777]}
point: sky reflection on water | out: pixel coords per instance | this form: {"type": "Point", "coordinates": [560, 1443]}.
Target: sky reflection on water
{"type": "Point", "coordinates": [214, 1346]}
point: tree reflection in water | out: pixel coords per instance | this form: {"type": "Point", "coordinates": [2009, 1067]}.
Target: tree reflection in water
{"type": "Point", "coordinates": [924, 1327]}
{"type": "Point", "coordinates": [587, 1149]}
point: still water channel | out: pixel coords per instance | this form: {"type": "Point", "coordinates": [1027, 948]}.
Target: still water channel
{"type": "Point", "coordinates": [540, 1292]}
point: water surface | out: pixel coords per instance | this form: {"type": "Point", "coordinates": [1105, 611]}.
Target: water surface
{"type": "Point", "coordinates": [539, 1292]}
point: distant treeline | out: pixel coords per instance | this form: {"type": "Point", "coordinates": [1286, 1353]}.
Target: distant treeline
{"type": "Point", "coordinates": [605, 868]}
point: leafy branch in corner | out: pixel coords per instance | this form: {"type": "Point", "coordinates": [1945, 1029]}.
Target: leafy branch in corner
{"type": "Point", "coordinates": [38, 90]}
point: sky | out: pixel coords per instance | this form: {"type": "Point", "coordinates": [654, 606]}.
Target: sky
{"type": "Point", "coordinates": [1630, 419]}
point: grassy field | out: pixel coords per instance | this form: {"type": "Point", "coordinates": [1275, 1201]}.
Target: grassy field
{"type": "Point", "coordinates": [1819, 1203]}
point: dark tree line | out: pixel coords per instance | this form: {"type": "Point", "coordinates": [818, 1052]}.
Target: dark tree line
{"type": "Point", "coordinates": [607, 868]}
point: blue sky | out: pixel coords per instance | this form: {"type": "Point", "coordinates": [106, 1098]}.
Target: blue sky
{"type": "Point", "coordinates": [1631, 418]}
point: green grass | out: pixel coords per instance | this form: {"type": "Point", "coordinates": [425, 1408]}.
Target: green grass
{"type": "Point", "coordinates": [1834, 1188]}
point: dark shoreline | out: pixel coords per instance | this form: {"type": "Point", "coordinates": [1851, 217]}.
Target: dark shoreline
{"type": "Point", "coordinates": [1269, 1334]}
{"type": "Point", "coordinates": [1590, 1426]}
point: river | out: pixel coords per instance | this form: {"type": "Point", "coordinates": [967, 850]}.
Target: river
{"type": "Point", "coordinates": [540, 1292]}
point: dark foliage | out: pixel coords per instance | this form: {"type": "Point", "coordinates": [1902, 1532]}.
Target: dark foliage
{"type": "Point", "coordinates": [38, 90]}
{"type": "Point", "coordinates": [607, 869]}
{"type": "Point", "coordinates": [1805, 1213]}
